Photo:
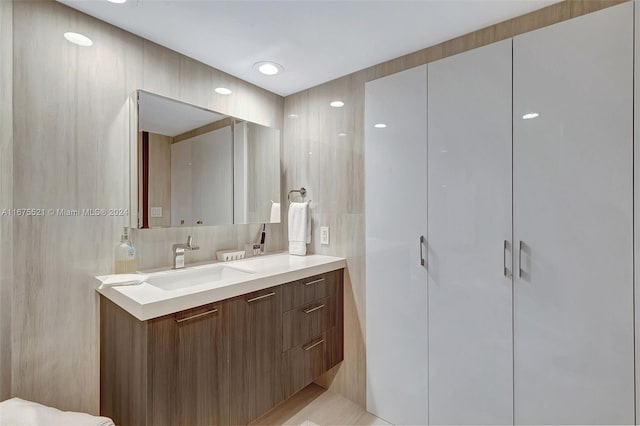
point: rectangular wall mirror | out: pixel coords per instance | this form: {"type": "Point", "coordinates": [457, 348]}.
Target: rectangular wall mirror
{"type": "Point", "coordinates": [195, 167]}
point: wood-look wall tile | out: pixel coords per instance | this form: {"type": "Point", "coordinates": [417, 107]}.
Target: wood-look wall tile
{"type": "Point", "coordinates": [333, 176]}
{"type": "Point", "coordinates": [71, 121]}
{"type": "Point", "coordinates": [195, 85]}
{"type": "Point", "coordinates": [6, 194]}
{"type": "Point", "coordinates": [161, 70]}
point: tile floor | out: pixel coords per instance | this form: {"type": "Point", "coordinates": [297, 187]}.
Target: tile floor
{"type": "Point", "coordinates": [315, 406]}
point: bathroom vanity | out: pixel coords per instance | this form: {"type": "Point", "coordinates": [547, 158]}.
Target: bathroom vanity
{"type": "Point", "coordinates": [219, 352]}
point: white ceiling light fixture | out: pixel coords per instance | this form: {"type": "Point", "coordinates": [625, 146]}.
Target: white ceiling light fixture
{"type": "Point", "coordinates": [530, 116]}
{"type": "Point", "coordinates": [222, 91]}
{"type": "Point", "coordinates": [293, 116]}
{"type": "Point", "coordinates": [342, 135]}
{"type": "Point", "coordinates": [117, 1]}
{"type": "Point", "coordinates": [79, 39]}
{"type": "Point", "coordinates": [268, 68]}
{"type": "Point", "coordinates": [336, 104]}
{"type": "Point", "coordinates": [380, 126]}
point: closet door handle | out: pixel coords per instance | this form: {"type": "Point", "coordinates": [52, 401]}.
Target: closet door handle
{"type": "Point", "coordinates": [421, 255]}
{"type": "Point", "coordinates": [507, 272]}
{"type": "Point", "coordinates": [520, 259]}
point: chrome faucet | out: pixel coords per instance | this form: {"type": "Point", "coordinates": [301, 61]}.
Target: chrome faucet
{"type": "Point", "coordinates": [178, 252]}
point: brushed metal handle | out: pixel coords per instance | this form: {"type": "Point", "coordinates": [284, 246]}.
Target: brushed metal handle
{"type": "Point", "coordinates": [520, 259]}
{"type": "Point", "coordinates": [308, 311]}
{"type": "Point", "coordinates": [314, 281]}
{"type": "Point", "coordinates": [507, 272]}
{"type": "Point", "coordinates": [312, 345]}
{"type": "Point", "coordinates": [421, 255]}
{"type": "Point", "coordinates": [264, 296]}
{"type": "Point", "coordinates": [200, 315]}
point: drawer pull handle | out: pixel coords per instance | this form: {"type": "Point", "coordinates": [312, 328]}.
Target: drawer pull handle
{"type": "Point", "coordinates": [313, 345]}
{"type": "Point", "coordinates": [264, 296]}
{"type": "Point", "coordinates": [314, 281]}
{"type": "Point", "coordinates": [308, 311]}
{"type": "Point", "coordinates": [202, 314]}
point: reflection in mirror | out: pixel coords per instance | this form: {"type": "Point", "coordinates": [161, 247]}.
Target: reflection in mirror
{"type": "Point", "coordinates": [257, 187]}
{"type": "Point", "coordinates": [200, 168]}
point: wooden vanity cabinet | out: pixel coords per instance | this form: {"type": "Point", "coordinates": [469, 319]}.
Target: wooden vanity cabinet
{"type": "Point", "coordinates": [223, 363]}
{"type": "Point", "coordinates": [170, 370]}
{"type": "Point", "coordinates": [312, 329]}
{"type": "Point", "coordinates": [256, 354]}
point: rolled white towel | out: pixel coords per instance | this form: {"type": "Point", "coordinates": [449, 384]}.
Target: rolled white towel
{"type": "Point", "coordinates": [18, 412]}
{"type": "Point", "coordinates": [121, 279]}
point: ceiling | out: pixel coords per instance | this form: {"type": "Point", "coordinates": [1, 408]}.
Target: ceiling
{"type": "Point", "coordinates": [315, 41]}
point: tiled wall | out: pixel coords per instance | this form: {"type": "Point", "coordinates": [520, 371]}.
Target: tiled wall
{"type": "Point", "coordinates": [323, 151]}
{"type": "Point", "coordinates": [71, 124]}
{"type": "Point", "coordinates": [6, 194]}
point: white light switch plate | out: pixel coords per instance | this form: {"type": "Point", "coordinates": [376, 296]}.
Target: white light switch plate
{"type": "Point", "coordinates": [156, 211]}
{"type": "Point", "coordinates": [324, 235]}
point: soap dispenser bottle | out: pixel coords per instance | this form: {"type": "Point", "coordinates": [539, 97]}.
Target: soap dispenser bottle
{"type": "Point", "coordinates": [125, 255]}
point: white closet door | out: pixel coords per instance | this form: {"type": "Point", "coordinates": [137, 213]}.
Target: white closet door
{"type": "Point", "coordinates": [396, 217]}
{"type": "Point", "coordinates": [470, 283]}
{"type": "Point", "coordinates": [573, 200]}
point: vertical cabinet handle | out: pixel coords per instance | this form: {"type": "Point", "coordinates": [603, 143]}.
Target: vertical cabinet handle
{"type": "Point", "coordinates": [507, 272]}
{"type": "Point", "coordinates": [520, 259]}
{"type": "Point", "coordinates": [421, 255]}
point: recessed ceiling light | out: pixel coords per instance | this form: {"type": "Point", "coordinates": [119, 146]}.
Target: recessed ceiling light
{"type": "Point", "coordinates": [380, 126]}
{"type": "Point", "coordinates": [117, 1]}
{"type": "Point", "coordinates": [268, 68]}
{"type": "Point", "coordinates": [342, 134]}
{"type": "Point", "coordinates": [337, 104]}
{"type": "Point", "coordinates": [223, 91]}
{"type": "Point", "coordinates": [79, 39]}
{"type": "Point", "coordinates": [530, 115]}
{"type": "Point", "coordinates": [293, 116]}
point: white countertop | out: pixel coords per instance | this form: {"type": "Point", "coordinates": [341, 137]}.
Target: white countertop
{"type": "Point", "coordinates": [145, 301]}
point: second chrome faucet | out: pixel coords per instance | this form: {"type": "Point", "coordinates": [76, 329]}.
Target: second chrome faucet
{"type": "Point", "coordinates": [178, 252]}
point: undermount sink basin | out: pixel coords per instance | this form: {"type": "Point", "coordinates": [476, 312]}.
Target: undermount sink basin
{"type": "Point", "coordinates": [174, 280]}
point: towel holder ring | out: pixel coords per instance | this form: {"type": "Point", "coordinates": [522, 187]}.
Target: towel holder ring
{"type": "Point", "coordinates": [302, 191]}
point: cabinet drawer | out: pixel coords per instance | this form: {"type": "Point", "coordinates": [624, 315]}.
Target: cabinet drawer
{"type": "Point", "coordinates": [307, 322]}
{"type": "Point", "coordinates": [304, 363]}
{"type": "Point", "coordinates": [308, 290]}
